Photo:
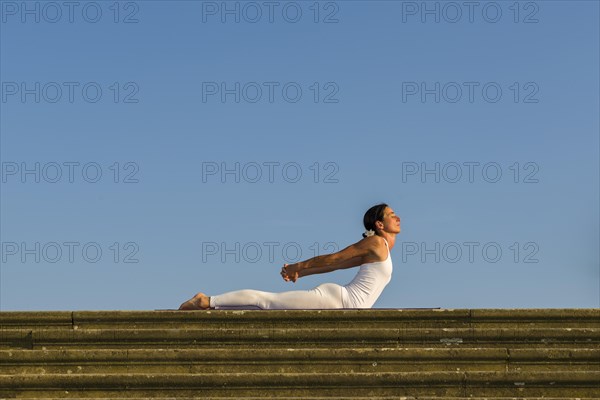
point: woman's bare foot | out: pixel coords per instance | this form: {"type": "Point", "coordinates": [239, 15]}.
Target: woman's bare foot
{"type": "Point", "coordinates": [199, 302]}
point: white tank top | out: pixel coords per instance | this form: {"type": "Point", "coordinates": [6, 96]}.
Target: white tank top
{"type": "Point", "coordinates": [369, 282]}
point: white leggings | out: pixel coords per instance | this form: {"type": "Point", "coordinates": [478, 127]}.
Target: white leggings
{"type": "Point", "coordinates": [324, 296]}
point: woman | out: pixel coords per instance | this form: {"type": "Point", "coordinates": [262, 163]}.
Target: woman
{"type": "Point", "coordinates": [372, 254]}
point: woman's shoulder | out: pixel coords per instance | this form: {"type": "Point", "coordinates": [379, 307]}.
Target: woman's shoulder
{"type": "Point", "coordinates": [379, 248]}
{"type": "Point", "coordinates": [375, 240]}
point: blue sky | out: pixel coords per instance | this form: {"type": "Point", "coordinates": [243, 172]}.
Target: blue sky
{"type": "Point", "coordinates": [154, 149]}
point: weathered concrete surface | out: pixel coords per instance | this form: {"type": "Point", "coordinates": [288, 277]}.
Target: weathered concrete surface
{"type": "Point", "coordinates": [417, 354]}
{"type": "Point", "coordinates": [269, 360]}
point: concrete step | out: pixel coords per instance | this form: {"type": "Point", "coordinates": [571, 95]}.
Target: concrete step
{"type": "Point", "coordinates": [310, 384]}
{"type": "Point", "coordinates": [337, 398]}
{"type": "Point", "coordinates": [333, 319]}
{"type": "Point", "coordinates": [418, 354]}
{"type": "Point", "coordinates": [343, 360]}
{"type": "Point", "coordinates": [122, 336]}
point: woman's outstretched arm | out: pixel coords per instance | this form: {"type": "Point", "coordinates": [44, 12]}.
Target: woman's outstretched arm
{"type": "Point", "coordinates": [351, 256]}
{"type": "Point", "coordinates": [353, 262]}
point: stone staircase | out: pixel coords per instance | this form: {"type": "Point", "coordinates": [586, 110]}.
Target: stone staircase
{"type": "Point", "coordinates": [418, 354]}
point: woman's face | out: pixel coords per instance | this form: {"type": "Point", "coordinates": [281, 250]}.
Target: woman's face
{"type": "Point", "coordinates": [391, 222]}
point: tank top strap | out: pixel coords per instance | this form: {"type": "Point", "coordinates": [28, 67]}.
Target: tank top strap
{"type": "Point", "coordinates": [388, 247]}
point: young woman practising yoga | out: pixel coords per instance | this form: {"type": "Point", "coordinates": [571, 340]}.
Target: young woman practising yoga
{"type": "Point", "coordinates": [372, 254]}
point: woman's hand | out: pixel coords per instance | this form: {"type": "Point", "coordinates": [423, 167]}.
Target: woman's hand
{"type": "Point", "coordinates": [290, 272]}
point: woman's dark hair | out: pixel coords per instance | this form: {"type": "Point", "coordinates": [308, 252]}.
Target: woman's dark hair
{"type": "Point", "coordinates": [373, 214]}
